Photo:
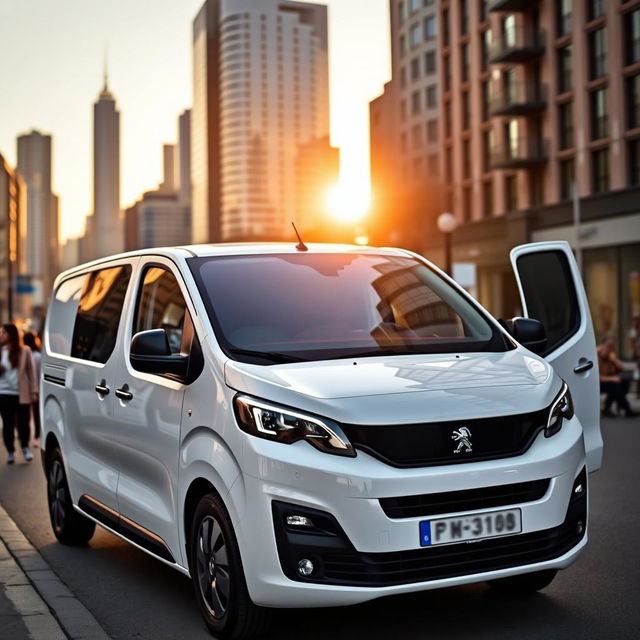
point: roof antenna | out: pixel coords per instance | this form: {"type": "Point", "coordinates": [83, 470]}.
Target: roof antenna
{"type": "Point", "coordinates": [301, 246]}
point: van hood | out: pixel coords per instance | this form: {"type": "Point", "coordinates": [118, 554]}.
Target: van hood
{"type": "Point", "coordinates": [450, 384]}
{"type": "Point", "coordinates": [396, 374]}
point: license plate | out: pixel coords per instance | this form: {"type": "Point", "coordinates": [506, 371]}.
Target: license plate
{"type": "Point", "coordinates": [465, 528]}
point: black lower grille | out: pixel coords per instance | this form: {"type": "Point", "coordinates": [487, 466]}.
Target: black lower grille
{"type": "Point", "coordinates": [337, 562]}
{"type": "Point", "coordinates": [436, 443]}
{"type": "Point", "coordinates": [432, 504]}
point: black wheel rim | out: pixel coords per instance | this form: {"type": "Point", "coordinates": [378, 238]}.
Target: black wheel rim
{"type": "Point", "coordinates": [212, 567]}
{"type": "Point", "coordinates": [57, 496]}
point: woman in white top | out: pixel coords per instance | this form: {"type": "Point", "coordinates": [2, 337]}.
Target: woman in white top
{"type": "Point", "coordinates": [32, 341]}
{"type": "Point", "coordinates": [18, 389]}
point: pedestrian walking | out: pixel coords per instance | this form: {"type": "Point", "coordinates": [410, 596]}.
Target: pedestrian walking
{"type": "Point", "coordinates": [613, 382]}
{"type": "Point", "coordinates": [18, 389]}
{"type": "Point", "coordinates": [31, 340]}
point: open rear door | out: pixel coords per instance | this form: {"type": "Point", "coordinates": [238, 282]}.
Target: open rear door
{"type": "Point", "coordinates": [552, 292]}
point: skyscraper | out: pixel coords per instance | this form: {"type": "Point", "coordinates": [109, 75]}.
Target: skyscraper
{"type": "Point", "coordinates": [107, 228]}
{"type": "Point", "coordinates": [42, 250]}
{"type": "Point", "coordinates": [260, 96]}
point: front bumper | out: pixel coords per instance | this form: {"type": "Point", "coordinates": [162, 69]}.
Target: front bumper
{"type": "Point", "coordinates": [376, 555]}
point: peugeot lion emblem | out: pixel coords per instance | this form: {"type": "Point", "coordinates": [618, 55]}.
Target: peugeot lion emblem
{"type": "Point", "coordinates": [463, 437]}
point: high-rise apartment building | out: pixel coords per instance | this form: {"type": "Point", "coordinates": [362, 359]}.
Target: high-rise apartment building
{"type": "Point", "coordinates": [184, 158]}
{"type": "Point", "coordinates": [42, 250]}
{"type": "Point", "coordinates": [405, 129]}
{"type": "Point", "coordinates": [553, 95]}
{"type": "Point", "coordinates": [260, 95]}
{"type": "Point", "coordinates": [14, 299]}
{"type": "Point", "coordinates": [106, 226]}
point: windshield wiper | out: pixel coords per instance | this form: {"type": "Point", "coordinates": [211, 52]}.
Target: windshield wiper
{"type": "Point", "coordinates": [379, 352]}
{"type": "Point", "coordinates": [276, 358]}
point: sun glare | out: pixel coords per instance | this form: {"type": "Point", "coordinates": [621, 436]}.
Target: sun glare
{"type": "Point", "coordinates": [348, 203]}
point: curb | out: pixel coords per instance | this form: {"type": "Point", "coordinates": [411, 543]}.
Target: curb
{"type": "Point", "coordinates": [48, 608]}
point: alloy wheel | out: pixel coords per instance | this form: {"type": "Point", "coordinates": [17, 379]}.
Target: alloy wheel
{"type": "Point", "coordinates": [57, 495]}
{"type": "Point", "coordinates": [212, 566]}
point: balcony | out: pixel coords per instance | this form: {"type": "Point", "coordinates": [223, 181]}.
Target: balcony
{"type": "Point", "coordinates": [518, 100]}
{"type": "Point", "coordinates": [511, 5]}
{"type": "Point", "coordinates": [517, 44]}
{"type": "Point", "coordinates": [520, 153]}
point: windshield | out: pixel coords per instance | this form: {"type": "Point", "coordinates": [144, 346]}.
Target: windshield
{"type": "Point", "coordinates": [300, 307]}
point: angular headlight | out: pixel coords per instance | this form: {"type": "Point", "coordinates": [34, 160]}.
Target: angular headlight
{"type": "Point", "coordinates": [561, 408]}
{"type": "Point", "coordinates": [283, 425]}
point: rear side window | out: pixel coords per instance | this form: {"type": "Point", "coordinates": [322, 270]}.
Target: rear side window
{"type": "Point", "coordinates": [98, 315]}
{"type": "Point", "coordinates": [550, 294]}
{"type": "Point", "coordinates": [161, 306]}
{"type": "Point", "coordinates": [62, 315]}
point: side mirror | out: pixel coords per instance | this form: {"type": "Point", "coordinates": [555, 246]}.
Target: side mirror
{"type": "Point", "coordinates": [529, 333]}
{"type": "Point", "coordinates": [150, 353]}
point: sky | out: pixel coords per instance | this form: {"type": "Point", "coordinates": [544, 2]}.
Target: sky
{"type": "Point", "coordinates": [51, 64]}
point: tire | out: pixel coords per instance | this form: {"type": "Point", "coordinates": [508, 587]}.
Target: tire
{"type": "Point", "coordinates": [69, 526]}
{"type": "Point", "coordinates": [525, 583]}
{"type": "Point", "coordinates": [218, 577]}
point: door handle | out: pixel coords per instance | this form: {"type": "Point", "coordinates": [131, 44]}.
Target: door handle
{"type": "Point", "coordinates": [124, 393]}
{"type": "Point", "coordinates": [102, 388]}
{"type": "Point", "coordinates": [583, 365]}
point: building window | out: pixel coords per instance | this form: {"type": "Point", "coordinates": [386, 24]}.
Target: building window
{"type": "Point", "coordinates": [487, 149]}
{"type": "Point", "coordinates": [600, 170]}
{"type": "Point", "coordinates": [464, 17]}
{"type": "Point", "coordinates": [403, 142]}
{"type": "Point", "coordinates": [466, 110]}
{"type": "Point", "coordinates": [632, 36]}
{"type": "Point", "coordinates": [599, 114]}
{"type": "Point", "coordinates": [403, 45]}
{"type": "Point", "coordinates": [431, 95]}
{"type": "Point", "coordinates": [485, 45]}
{"type": "Point", "coordinates": [487, 198]}
{"type": "Point", "coordinates": [432, 164]}
{"type": "Point", "coordinates": [464, 62]}
{"type": "Point", "coordinates": [466, 159]}
{"type": "Point", "coordinates": [511, 193]}
{"type": "Point", "coordinates": [486, 99]}
{"type": "Point", "coordinates": [400, 12]}
{"type": "Point", "coordinates": [595, 9]}
{"type": "Point", "coordinates": [563, 17]}
{"type": "Point", "coordinates": [448, 166]}
{"type": "Point", "coordinates": [565, 77]}
{"type": "Point", "coordinates": [416, 136]}
{"type": "Point", "coordinates": [466, 203]}
{"type": "Point", "coordinates": [414, 5]}
{"type": "Point", "coordinates": [567, 178]}
{"type": "Point", "coordinates": [414, 35]}
{"type": "Point", "coordinates": [484, 10]}
{"type": "Point", "coordinates": [597, 54]}
{"type": "Point", "coordinates": [432, 131]}
{"type": "Point", "coordinates": [447, 119]}
{"type": "Point", "coordinates": [403, 110]}
{"type": "Point", "coordinates": [430, 62]}
{"type": "Point", "coordinates": [445, 28]}
{"type": "Point", "coordinates": [415, 102]}
{"type": "Point", "coordinates": [446, 77]}
{"type": "Point", "coordinates": [633, 152]}
{"type": "Point", "coordinates": [633, 102]}
{"type": "Point", "coordinates": [565, 123]}
{"type": "Point", "coordinates": [536, 187]}
{"type": "Point", "coordinates": [415, 69]}
{"type": "Point", "coordinates": [429, 26]}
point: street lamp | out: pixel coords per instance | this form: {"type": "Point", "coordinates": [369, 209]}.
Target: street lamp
{"type": "Point", "coordinates": [447, 224]}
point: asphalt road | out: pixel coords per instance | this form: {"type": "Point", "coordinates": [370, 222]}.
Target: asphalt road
{"type": "Point", "coordinates": [133, 596]}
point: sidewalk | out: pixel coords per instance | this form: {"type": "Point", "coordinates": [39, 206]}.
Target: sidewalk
{"type": "Point", "coordinates": [34, 603]}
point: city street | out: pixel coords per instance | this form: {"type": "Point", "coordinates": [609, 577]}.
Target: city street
{"type": "Point", "coordinates": [133, 596]}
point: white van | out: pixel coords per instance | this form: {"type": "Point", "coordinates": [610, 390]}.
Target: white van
{"type": "Point", "coordinates": [321, 427]}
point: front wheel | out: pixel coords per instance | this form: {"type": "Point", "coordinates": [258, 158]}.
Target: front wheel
{"type": "Point", "coordinates": [218, 577]}
{"type": "Point", "coordinates": [525, 583]}
{"type": "Point", "coordinates": [69, 526]}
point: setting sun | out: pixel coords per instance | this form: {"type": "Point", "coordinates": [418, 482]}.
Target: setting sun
{"type": "Point", "coordinates": [348, 203]}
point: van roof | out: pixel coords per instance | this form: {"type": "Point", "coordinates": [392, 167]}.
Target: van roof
{"type": "Point", "coordinates": [238, 248]}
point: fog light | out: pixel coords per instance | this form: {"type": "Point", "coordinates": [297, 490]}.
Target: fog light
{"type": "Point", "coordinates": [578, 489]}
{"type": "Point", "coordinates": [580, 528]}
{"type": "Point", "coordinates": [305, 567]}
{"type": "Point", "coordinates": [299, 521]}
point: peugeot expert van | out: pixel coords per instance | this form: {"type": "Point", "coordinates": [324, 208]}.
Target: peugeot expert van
{"type": "Point", "coordinates": [320, 426]}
